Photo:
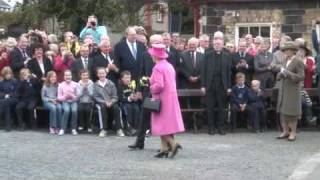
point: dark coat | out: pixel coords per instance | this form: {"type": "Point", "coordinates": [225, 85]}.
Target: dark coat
{"type": "Point", "coordinates": [187, 69]}
{"type": "Point", "coordinates": [100, 61]}
{"type": "Point", "coordinates": [248, 72]}
{"type": "Point", "coordinates": [9, 87]}
{"type": "Point", "coordinates": [17, 60]}
{"type": "Point", "coordinates": [35, 69]}
{"type": "Point", "coordinates": [77, 66]}
{"type": "Point", "coordinates": [126, 60]}
{"type": "Point", "coordinates": [207, 69]}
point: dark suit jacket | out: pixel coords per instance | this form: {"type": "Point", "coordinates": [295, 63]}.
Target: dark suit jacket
{"type": "Point", "coordinates": [174, 57]}
{"type": "Point", "coordinates": [126, 60]}
{"type": "Point", "coordinates": [17, 61]}
{"type": "Point", "coordinates": [100, 61]}
{"type": "Point", "coordinates": [77, 66]}
{"type": "Point", "coordinates": [34, 67]}
{"type": "Point", "coordinates": [247, 71]}
{"type": "Point", "coordinates": [147, 65]}
{"type": "Point", "coordinates": [187, 69]}
{"type": "Point", "coordinates": [207, 69]}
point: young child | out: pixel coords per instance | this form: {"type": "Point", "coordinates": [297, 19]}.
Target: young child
{"type": "Point", "coordinates": [28, 89]}
{"type": "Point", "coordinates": [68, 97]}
{"type": "Point", "coordinates": [128, 102]}
{"type": "Point", "coordinates": [49, 95]}
{"type": "Point", "coordinates": [256, 107]}
{"type": "Point", "coordinates": [239, 99]}
{"type": "Point", "coordinates": [105, 95]}
{"type": "Point", "coordinates": [8, 95]}
{"type": "Point", "coordinates": [85, 101]}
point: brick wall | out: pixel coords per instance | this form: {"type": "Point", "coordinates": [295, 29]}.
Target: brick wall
{"type": "Point", "coordinates": [292, 18]}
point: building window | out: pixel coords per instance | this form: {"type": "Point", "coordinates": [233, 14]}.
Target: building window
{"type": "Point", "coordinates": [160, 13]}
{"type": "Point", "coordinates": [255, 29]}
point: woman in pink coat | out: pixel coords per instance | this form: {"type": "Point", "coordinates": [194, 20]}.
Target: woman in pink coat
{"type": "Point", "coordinates": [163, 86]}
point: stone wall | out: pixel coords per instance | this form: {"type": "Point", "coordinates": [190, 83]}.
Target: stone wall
{"type": "Point", "coordinates": [293, 19]}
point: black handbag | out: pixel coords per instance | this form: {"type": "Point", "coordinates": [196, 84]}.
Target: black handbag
{"type": "Point", "coordinates": [153, 105]}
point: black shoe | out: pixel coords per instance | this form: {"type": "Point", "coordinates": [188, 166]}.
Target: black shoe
{"type": "Point", "coordinates": [22, 127]}
{"type": "Point", "coordinates": [221, 132]}
{"type": "Point", "coordinates": [136, 146]}
{"type": "Point", "coordinates": [211, 132]}
{"type": "Point", "coordinates": [175, 150]}
{"type": "Point", "coordinates": [162, 154]}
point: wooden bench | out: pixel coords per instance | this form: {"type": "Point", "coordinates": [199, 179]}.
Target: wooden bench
{"type": "Point", "coordinates": [268, 93]}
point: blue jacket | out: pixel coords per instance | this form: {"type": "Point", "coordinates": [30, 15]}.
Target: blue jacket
{"type": "Point", "coordinates": [255, 99]}
{"type": "Point", "coordinates": [97, 33]}
{"type": "Point", "coordinates": [9, 87]}
{"type": "Point", "coordinates": [239, 95]}
{"type": "Point", "coordinates": [29, 90]}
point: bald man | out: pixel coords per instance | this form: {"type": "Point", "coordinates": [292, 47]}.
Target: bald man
{"type": "Point", "coordinates": [106, 59]}
{"type": "Point", "coordinates": [190, 66]}
{"type": "Point", "coordinates": [129, 52]}
{"type": "Point", "coordinates": [81, 63]}
{"type": "Point", "coordinates": [215, 84]}
{"type": "Point", "coordinates": [144, 91]}
{"type": "Point", "coordinates": [242, 62]}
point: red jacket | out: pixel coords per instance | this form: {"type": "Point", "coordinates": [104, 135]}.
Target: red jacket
{"type": "Point", "coordinates": [60, 65]}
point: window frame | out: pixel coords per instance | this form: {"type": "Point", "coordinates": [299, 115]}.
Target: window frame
{"type": "Point", "coordinates": [248, 25]}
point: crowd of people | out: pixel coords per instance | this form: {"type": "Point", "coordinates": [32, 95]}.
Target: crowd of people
{"type": "Point", "coordinates": [79, 76]}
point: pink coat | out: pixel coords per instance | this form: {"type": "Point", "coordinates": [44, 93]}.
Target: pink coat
{"type": "Point", "coordinates": [163, 87]}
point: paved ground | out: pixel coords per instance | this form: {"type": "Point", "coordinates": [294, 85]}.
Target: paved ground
{"type": "Point", "coordinates": [240, 156]}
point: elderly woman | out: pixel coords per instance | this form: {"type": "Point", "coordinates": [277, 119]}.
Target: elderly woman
{"type": "Point", "coordinates": [290, 77]}
{"type": "Point", "coordinates": [168, 121]}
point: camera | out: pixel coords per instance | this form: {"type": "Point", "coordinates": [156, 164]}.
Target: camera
{"type": "Point", "coordinates": [93, 24]}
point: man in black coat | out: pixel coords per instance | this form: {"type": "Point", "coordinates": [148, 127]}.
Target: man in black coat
{"type": "Point", "coordinates": [173, 53]}
{"type": "Point", "coordinates": [146, 71]}
{"type": "Point", "coordinates": [190, 67]}
{"type": "Point", "coordinates": [81, 63]}
{"type": "Point", "coordinates": [242, 62]}
{"type": "Point", "coordinates": [20, 56]}
{"type": "Point", "coordinates": [128, 53]}
{"type": "Point", "coordinates": [105, 58]}
{"type": "Point", "coordinates": [216, 84]}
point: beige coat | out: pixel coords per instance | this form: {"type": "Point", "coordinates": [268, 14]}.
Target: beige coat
{"type": "Point", "coordinates": [289, 97]}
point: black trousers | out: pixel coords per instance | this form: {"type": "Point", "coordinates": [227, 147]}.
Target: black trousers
{"type": "Point", "coordinates": [85, 115]}
{"type": "Point", "coordinates": [144, 125]}
{"type": "Point", "coordinates": [104, 117]}
{"type": "Point", "coordinates": [28, 105]}
{"type": "Point", "coordinates": [132, 113]}
{"type": "Point", "coordinates": [5, 110]}
{"type": "Point", "coordinates": [257, 115]}
{"type": "Point", "coordinates": [235, 111]}
{"type": "Point", "coordinates": [216, 100]}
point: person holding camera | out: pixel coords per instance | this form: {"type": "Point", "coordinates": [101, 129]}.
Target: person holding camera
{"type": "Point", "coordinates": [242, 62]}
{"type": "Point", "coordinates": [92, 28]}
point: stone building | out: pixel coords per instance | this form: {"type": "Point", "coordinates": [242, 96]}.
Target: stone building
{"type": "Point", "coordinates": [267, 18]}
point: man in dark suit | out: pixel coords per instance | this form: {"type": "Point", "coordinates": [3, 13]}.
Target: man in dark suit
{"type": "Point", "coordinates": [128, 53]}
{"type": "Point", "coordinates": [190, 67]}
{"type": "Point", "coordinates": [216, 83]}
{"type": "Point", "coordinates": [81, 63]}
{"type": "Point", "coordinates": [146, 71]}
{"type": "Point", "coordinates": [242, 62]}
{"type": "Point", "coordinates": [20, 56]}
{"type": "Point", "coordinates": [173, 53]}
{"type": "Point", "coordinates": [105, 58]}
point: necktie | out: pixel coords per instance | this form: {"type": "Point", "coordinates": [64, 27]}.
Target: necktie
{"type": "Point", "coordinates": [24, 54]}
{"type": "Point", "coordinates": [242, 55]}
{"type": "Point", "coordinates": [86, 63]}
{"type": "Point", "coordinates": [134, 51]}
{"type": "Point", "coordinates": [193, 59]}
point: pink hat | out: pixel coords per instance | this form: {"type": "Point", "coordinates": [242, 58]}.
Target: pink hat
{"type": "Point", "coordinates": [158, 50]}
